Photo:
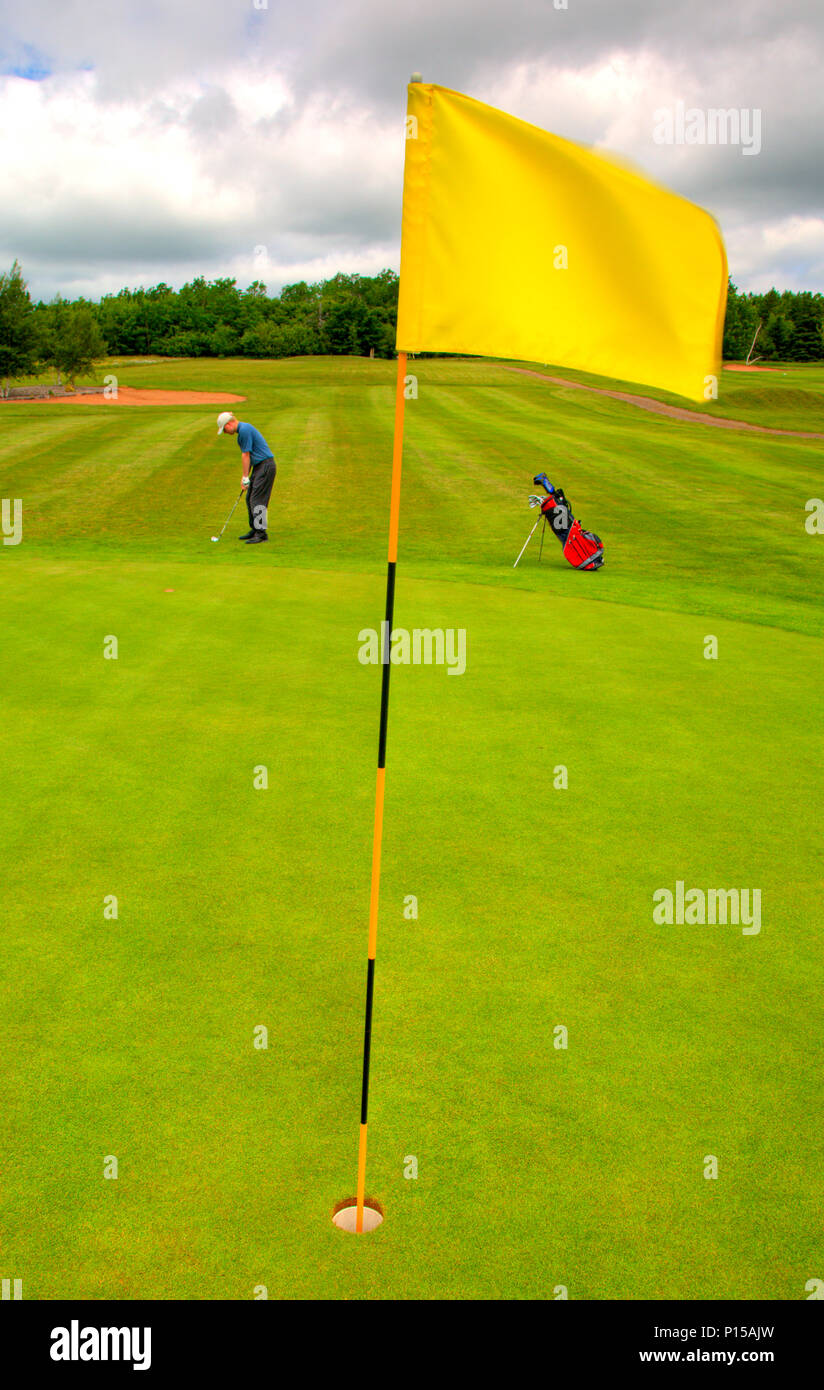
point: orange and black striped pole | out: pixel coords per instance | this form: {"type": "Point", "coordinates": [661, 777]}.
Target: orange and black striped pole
{"type": "Point", "coordinates": [386, 636]}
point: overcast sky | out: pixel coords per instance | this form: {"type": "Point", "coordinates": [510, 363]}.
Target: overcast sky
{"type": "Point", "coordinates": [147, 140]}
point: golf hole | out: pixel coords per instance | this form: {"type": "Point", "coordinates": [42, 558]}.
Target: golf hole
{"type": "Point", "coordinates": [345, 1214]}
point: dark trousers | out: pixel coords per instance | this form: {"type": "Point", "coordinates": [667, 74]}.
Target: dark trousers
{"type": "Point", "coordinates": [258, 493]}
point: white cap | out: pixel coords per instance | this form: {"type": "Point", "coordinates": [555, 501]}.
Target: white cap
{"type": "Point", "coordinates": [223, 419]}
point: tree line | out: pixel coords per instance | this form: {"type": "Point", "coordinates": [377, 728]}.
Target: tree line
{"type": "Point", "coordinates": [347, 314]}
{"type": "Point", "coordinates": [785, 327]}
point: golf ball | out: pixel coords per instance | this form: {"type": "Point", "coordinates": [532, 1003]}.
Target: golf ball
{"type": "Point", "coordinates": [214, 538]}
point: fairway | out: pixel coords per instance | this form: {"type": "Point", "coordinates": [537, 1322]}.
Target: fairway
{"type": "Point", "coordinates": [540, 1168]}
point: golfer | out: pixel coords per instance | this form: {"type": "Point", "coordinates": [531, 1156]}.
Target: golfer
{"type": "Point", "coordinates": [259, 469]}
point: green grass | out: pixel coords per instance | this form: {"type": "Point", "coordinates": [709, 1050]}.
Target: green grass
{"type": "Point", "coordinates": [240, 907]}
{"type": "Point", "coordinates": [787, 396]}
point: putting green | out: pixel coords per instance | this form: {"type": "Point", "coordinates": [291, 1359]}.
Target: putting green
{"type": "Point", "coordinates": [539, 1167]}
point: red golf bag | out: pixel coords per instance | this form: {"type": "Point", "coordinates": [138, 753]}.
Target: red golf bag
{"type": "Point", "coordinates": [582, 549]}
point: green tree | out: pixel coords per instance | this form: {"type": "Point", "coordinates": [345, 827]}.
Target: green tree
{"type": "Point", "coordinates": [18, 342]}
{"type": "Point", "coordinates": [740, 323]}
{"type": "Point", "coordinates": [224, 341]}
{"type": "Point", "coordinates": [72, 341]}
{"type": "Point", "coordinates": [808, 344]}
{"type": "Point", "coordinates": [351, 326]}
{"type": "Point", "coordinates": [261, 340]}
{"type": "Point", "coordinates": [293, 340]}
{"type": "Point", "coordinates": [781, 336]}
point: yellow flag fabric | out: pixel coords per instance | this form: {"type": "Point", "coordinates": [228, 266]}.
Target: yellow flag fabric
{"type": "Point", "coordinates": [519, 244]}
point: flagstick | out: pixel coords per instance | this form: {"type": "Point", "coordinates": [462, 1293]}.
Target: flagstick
{"type": "Point", "coordinates": [394, 515]}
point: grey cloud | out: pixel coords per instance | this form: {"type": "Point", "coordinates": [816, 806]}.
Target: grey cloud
{"type": "Point", "coordinates": [352, 58]}
{"type": "Point", "coordinates": [370, 47]}
{"type": "Point", "coordinates": [213, 114]}
{"type": "Point", "coordinates": [87, 235]}
{"type": "Point", "coordinates": [367, 48]}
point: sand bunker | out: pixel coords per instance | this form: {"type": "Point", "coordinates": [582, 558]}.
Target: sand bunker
{"type": "Point", "coordinates": [131, 395]}
{"type": "Point", "coordinates": [750, 367]}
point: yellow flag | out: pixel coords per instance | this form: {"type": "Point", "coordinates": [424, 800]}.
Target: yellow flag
{"type": "Point", "coordinates": [519, 244]}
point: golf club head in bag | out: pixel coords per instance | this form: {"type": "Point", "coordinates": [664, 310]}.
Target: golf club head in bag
{"type": "Point", "coordinates": [581, 549]}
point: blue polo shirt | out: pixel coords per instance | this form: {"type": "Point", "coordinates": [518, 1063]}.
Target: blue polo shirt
{"type": "Point", "coordinates": [251, 442]}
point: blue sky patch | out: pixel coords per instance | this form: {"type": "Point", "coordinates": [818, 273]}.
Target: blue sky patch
{"type": "Point", "coordinates": [27, 62]}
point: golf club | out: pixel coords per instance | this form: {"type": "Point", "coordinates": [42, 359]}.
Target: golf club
{"type": "Point", "coordinates": [229, 517]}
{"type": "Point", "coordinates": [529, 538]}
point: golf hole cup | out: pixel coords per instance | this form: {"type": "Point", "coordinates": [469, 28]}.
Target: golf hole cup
{"type": "Point", "coordinates": [345, 1215]}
